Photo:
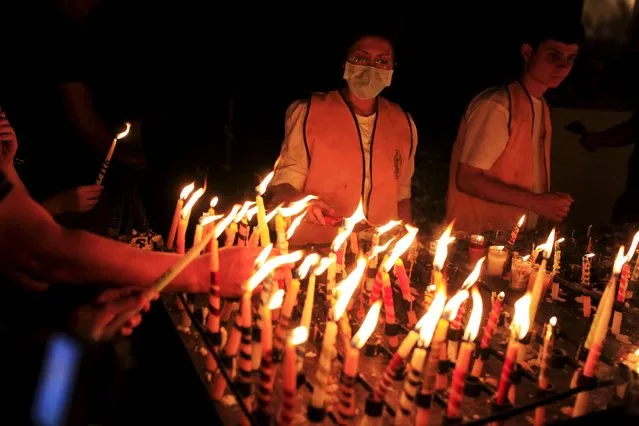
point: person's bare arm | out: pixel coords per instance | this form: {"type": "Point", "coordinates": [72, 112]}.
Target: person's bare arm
{"type": "Point", "coordinates": [473, 181]}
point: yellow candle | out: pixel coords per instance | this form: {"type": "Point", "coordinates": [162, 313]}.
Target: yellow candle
{"type": "Point", "coordinates": [285, 316]}
{"type": "Point", "coordinates": [497, 256]}
{"type": "Point", "coordinates": [327, 354]}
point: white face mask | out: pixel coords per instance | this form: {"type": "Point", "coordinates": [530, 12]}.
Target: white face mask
{"type": "Point", "coordinates": [366, 82]}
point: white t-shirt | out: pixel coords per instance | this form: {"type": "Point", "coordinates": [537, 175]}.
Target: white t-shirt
{"type": "Point", "coordinates": [487, 134]}
{"type": "Point", "coordinates": [292, 167]}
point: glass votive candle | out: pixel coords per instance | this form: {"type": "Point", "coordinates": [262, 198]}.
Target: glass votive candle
{"type": "Point", "coordinates": [533, 277]}
{"type": "Point", "coordinates": [476, 248]}
{"type": "Point", "coordinates": [497, 256]}
{"type": "Point", "coordinates": [520, 273]}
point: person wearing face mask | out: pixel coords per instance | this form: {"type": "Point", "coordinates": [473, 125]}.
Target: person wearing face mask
{"type": "Point", "coordinates": [347, 145]}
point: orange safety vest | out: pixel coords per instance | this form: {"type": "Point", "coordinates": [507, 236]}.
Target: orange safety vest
{"type": "Point", "coordinates": [336, 162]}
{"type": "Point", "coordinates": [513, 167]}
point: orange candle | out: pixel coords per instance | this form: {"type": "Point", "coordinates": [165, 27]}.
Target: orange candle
{"type": "Point", "coordinates": [489, 330]}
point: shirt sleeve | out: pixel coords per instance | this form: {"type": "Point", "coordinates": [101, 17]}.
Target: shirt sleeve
{"type": "Point", "coordinates": [292, 164]}
{"type": "Point", "coordinates": [404, 187]}
{"type": "Point", "coordinates": [486, 134]}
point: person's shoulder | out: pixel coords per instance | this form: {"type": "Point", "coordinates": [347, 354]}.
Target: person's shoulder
{"type": "Point", "coordinates": [493, 97]}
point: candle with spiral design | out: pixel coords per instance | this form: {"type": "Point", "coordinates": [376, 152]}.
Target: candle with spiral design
{"type": "Point", "coordinates": [289, 386]}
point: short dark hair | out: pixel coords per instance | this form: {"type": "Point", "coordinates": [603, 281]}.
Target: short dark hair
{"type": "Point", "coordinates": [383, 33]}
{"type": "Point", "coordinates": [561, 28]}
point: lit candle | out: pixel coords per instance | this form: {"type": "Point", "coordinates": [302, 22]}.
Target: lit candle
{"type": "Point", "coordinates": [266, 376]}
{"type": "Point", "coordinates": [437, 352]}
{"type": "Point", "coordinates": [107, 160]}
{"type": "Point", "coordinates": [463, 359]}
{"type": "Point", "coordinates": [497, 256]}
{"type": "Point", "coordinates": [287, 308]}
{"type": "Point", "coordinates": [262, 225]}
{"type": "Point", "coordinates": [519, 329]}
{"type": "Point", "coordinates": [538, 287]}
{"type": "Point", "coordinates": [635, 271]}
{"type": "Point", "coordinates": [544, 364]}
{"type": "Point", "coordinates": [597, 333]}
{"type": "Point", "coordinates": [515, 232]}
{"type": "Point", "coordinates": [186, 191]}
{"type": "Point", "coordinates": [476, 248]}
{"type": "Point", "coordinates": [621, 299]}
{"type": "Point", "coordinates": [185, 215]}
{"type": "Point", "coordinates": [489, 330]}
{"type": "Point", "coordinates": [346, 393]}
{"type": "Point", "coordinates": [346, 288]}
{"type": "Point", "coordinates": [454, 333]}
{"type": "Point", "coordinates": [413, 380]}
{"type": "Point", "coordinates": [344, 293]}
{"type": "Point", "coordinates": [289, 386]}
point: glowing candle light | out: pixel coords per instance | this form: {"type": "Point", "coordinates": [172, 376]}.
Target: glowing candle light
{"type": "Point", "coordinates": [262, 224]}
{"type": "Point", "coordinates": [539, 281]}
{"type": "Point", "coordinates": [515, 232]}
{"type": "Point", "coordinates": [289, 387]}
{"type": "Point", "coordinates": [463, 359]}
{"type": "Point", "coordinates": [107, 160]}
{"type": "Point", "coordinates": [184, 194]}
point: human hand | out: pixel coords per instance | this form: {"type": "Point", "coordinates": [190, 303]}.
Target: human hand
{"type": "Point", "coordinates": [553, 206]}
{"type": "Point", "coordinates": [8, 142]}
{"type": "Point", "coordinates": [97, 321]}
{"type": "Point", "coordinates": [316, 212]}
{"type": "Point", "coordinates": [76, 200]}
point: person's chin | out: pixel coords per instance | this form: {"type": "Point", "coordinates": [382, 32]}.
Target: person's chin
{"type": "Point", "coordinates": [554, 82]}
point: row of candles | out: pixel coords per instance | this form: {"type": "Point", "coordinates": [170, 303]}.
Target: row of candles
{"type": "Point", "coordinates": [427, 341]}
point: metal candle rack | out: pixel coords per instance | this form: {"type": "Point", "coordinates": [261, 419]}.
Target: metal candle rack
{"type": "Point", "coordinates": [439, 397]}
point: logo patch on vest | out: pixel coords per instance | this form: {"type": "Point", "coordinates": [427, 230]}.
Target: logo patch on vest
{"type": "Point", "coordinates": [397, 162]}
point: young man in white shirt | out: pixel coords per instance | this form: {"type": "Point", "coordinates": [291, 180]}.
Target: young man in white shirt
{"type": "Point", "coordinates": [500, 166]}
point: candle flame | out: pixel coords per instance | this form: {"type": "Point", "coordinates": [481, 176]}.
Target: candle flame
{"type": "Point", "coordinates": [270, 265]}
{"type": "Point", "coordinates": [454, 303]}
{"type": "Point", "coordinates": [521, 221]}
{"type": "Point", "coordinates": [589, 255]}
{"type": "Point", "coordinates": [633, 247]}
{"type": "Point", "coordinates": [368, 326]}
{"type": "Point", "coordinates": [521, 321]}
{"type": "Point", "coordinates": [323, 265]}
{"type": "Point", "coordinates": [309, 261]}
{"type": "Point", "coordinates": [430, 319]}
{"type": "Point", "coordinates": [261, 188]}
{"type": "Point", "coordinates": [431, 288]}
{"type": "Point", "coordinates": [125, 132]}
{"type": "Point", "coordinates": [548, 246]}
{"type": "Point", "coordinates": [189, 205]}
{"type": "Point", "coordinates": [525, 258]}
{"type": "Point", "coordinates": [474, 276]}
{"type": "Point", "coordinates": [210, 219]}
{"type": "Point", "coordinates": [559, 241]}
{"type": "Point", "coordinates": [243, 211]}
{"type": "Point", "coordinates": [637, 352]}
{"type": "Point", "coordinates": [264, 254]}
{"type": "Point", "coordinates": [296, 207]}
{"type": "Point", "coordinates": [346, 288]}
{"type": "Point", "coordinates": [272, 214]}
{"type": "Point", "coordinates": [620, 260]}
{"type": "Point", "coordinates": [400, 247]}
{"type": "Point", "coordinates": [214, 201]}
{"type": "Point", "coordinates": [186, 191]}
{"type": "Point", "coordinates": [296, 222]}
{"type": "Point", "coordinates": [472, 328]}
{"type": "Point", "coordinates": [553, 321]}
{"type": "Point", "coordinates": [298, 336]}
{"type": "Point", "coordinates": [276, 299]}
{"type": "Point", "coordinates": [224, 223]}
{"type": "Point", "coordinates": [349, 225]}
{"type": "Point", "coordinates": [501, 295]}
{"type": "Point", "coordinates": [442, 248]}
{"type": "Point", "coordinates": [251, 212]}
{"type": "Point", "coordinates": [379, 249]}
{"type": "Point", "coordinates": [387, 227]}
